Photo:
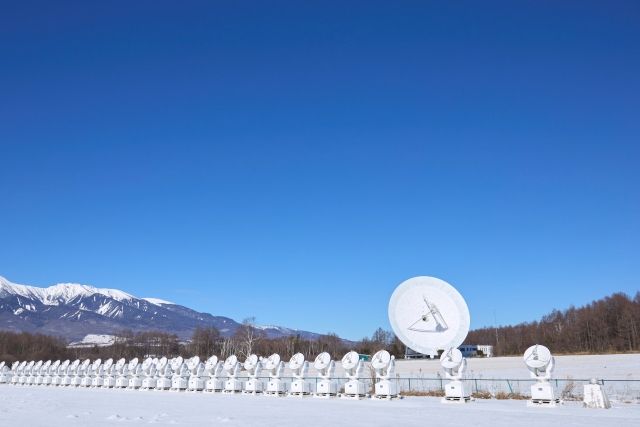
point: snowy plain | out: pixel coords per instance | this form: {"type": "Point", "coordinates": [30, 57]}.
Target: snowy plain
{"type": "Point", "coordinates": [45, 406]}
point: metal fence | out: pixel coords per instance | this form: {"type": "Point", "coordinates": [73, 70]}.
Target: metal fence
{"type": "Point", "coordinates": [567, 389]}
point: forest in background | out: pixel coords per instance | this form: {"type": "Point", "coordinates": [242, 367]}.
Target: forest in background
{"type": "Point", "coordinates": [608, 325]}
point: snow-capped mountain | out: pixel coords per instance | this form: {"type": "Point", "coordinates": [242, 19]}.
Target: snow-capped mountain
{"type": "Point", "coordinates": [72, 310]}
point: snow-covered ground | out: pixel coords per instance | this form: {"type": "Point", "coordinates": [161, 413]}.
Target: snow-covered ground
{"type": "Point", "coordinates": [45, 406]}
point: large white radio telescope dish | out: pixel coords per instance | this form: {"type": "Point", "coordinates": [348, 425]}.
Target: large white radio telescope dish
{"type": "Point", "coordinates": [537, 356]}
{"type": "Point", "coordinates": [428, 314]}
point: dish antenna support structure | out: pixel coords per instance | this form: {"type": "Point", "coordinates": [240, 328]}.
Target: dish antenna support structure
{"type": "Point", "coordinates": [70, 372]}
{"type": "Point", "coordinates": [541, 363]}
{"type": "Point", "coordinates": [122, 379]}
{"type": "Point", "coordinates": [275, 366]}
{"type": "Point", "coordinates": [326, 367]}
{"type": "Point", "coordinates": [180, 378]}
{"type": "Point", "coordinates": [454, 365]}
{"type": "Point", "coordinates": [17, 372]}
{"type": "Point", "coordinates": [232, 368]}
{"type": "Point", "coordinates": [81, 371]}
{"type": "Point", "coordinates": [34, 372]}
{"type": "Point", "coordinates": [52, 372]}
{"type": "Point", "coordinates": [61, 372]}
{"type": "Point", "coordinates": [116, 371]}
{"type": "Point", "coordinates": [103, 371]}
{"type": "Point", "coordinates": [135, 374]}
{"type": "Point", "coordinates": [299, 368]}
{"type": "Point", "coordinates": [355, 388]}
{"type": "Point", "coordinates": [384, 365]}
{"type": "Point", "coordinates": [214, 369]}
{"type": "Point", "coordinates": [164, 371]}
{"type": "Point", "coordinates": [93, 371]}
{"type": "Point", "coordinates": [5, 373]}
{"type": "Point", "coordinates": [44, 371]}
{"type": "Point", "coordinates": [150, 380]}
{"type": "Point", "coordinates": [253, 365]}
{"type": "Point", "coordinates": [196, 374]}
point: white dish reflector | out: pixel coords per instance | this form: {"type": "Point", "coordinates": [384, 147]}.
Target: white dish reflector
{"type": "Point", "coordinates": [350, 360]}
{"type": "Point", "coordinates": [381, 359]}
{"type": "Point", "coordinates": [537, 356]}
{"type": "Point", "coordinates": [428, 314]}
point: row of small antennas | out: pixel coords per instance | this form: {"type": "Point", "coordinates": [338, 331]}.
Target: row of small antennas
{"type": "Point", "coordinates": [382, 362]}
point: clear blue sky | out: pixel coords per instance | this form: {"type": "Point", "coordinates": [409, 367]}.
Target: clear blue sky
{"type": "Point", "coordinates": [270, 158]}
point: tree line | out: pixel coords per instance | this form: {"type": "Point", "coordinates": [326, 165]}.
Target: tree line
{"type": "Point", "coordinates": [608, 325]}
{"type": "Point", "coordinates": [611, 324]}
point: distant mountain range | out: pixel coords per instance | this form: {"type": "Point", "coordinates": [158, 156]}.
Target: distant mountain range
{"type": "Point", "coordinates": [73, 311]}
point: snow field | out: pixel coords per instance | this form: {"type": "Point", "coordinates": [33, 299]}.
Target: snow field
{"type": "Point", "coordinates": [47, 406]}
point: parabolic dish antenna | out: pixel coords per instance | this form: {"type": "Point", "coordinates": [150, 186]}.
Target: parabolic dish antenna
{"type": "Point", "coordinates": [177, 363]}
{"type": "Point", "coordinates": [296, 361]}
{"type": "Point", "coordinates": [37, 365]}
{"type": "Point", "coordinates": [230, 363]}
{"type": "Point", "coordinates": [537, 356]}
{"type": "Point", "coordinates": [272, 361]}
{"type": "Point", "coordinates": [381, 359]}
{"type": "Point", "coordinates": [107, 364]}
{"type": "Point", "coordinates": [451, 358]}
{"type": "Point", "coordinates": [85, 364]}
{"type": "Point", "coordinates": [211, 362]}
{"type": "Point", "coordinates": [120, 364]}
{"type": "Point", "coordinates": [146, 365]}
{"type": "Point", "coordinates": [65, 364]}
{"type": "Point", "coordinates": [55, 365]}
{"type": "Point", "coordinates": [322, 361]}
{"type": "Point", "coordinates": [251, 362]}
{"type": "Point", "coordinates": [161, 363]}
{"type": "Point", "coordinates": [350, 360]}
{"type": "Point", "coordinates": [428, 314]}
{"type": "Point", "coordinates": [193, 363]}
{"type": "Point", "coordinates": [2, 364]}
{"type": "Point", "coordinates": [133, 363]}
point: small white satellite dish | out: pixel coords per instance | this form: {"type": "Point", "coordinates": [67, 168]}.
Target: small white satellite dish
{"type": "Point", "coordinates": [107, 365]}
{"type": "Point", "coordinates": [177, 363]}
{"type": "Point", "coordinates": [230, 362]}
{"type": "Point", "coordinates": [428, 314]}
{"type": "Point", "coordinates": [44, 367]}
{"type": "Point", "coordinates": [350, 360]}
{"type": "Point", "coordinates": [85, 365]}
{"type": "Point", "coordinates": [451, 359]}
{"type": "Point", "coordinates": [2, 364]}
{"type": "Point", "coordinates": [541, 363]}
{"type": "Point", "coordinates": [65, 365]}
{"type": "Point", "coordinates": [296, 361]}
{"type": "Point", "coordinates": [193, 364]}
{"type": "Point", "coordinates": [133, 363]}
{"type": "Point", "coordinates": [381, 359]}
{"type": "Point", "coordinates": [96, 364]}
{"type": "Point", "coordinates": [537, 357]}
{"type": "Point", "coordinates": [54, 366]}
{"type": "Point", "coordinates": [161, 363]}
{"type": "Point", "coordinates": [272, 361]}
{"type": "Point", "coordinates": [120, 364]}
{"type": "Point", "coordinates": [211, 363]}
{"type": "Point", "coordinates": [322, 361]}
{"type": "Point", "coordinates": [250, 362]}
{"type": "Point", "coordinates": [37, 366]}
{"type": "Point", "coordinates": [146, 364]}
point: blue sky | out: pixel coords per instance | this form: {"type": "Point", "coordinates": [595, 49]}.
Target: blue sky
{"type": "Point", "coordinates": [295, 162]}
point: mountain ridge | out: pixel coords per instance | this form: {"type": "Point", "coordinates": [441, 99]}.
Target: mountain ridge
{"type": "Point", "coordinates": [73, 310]}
